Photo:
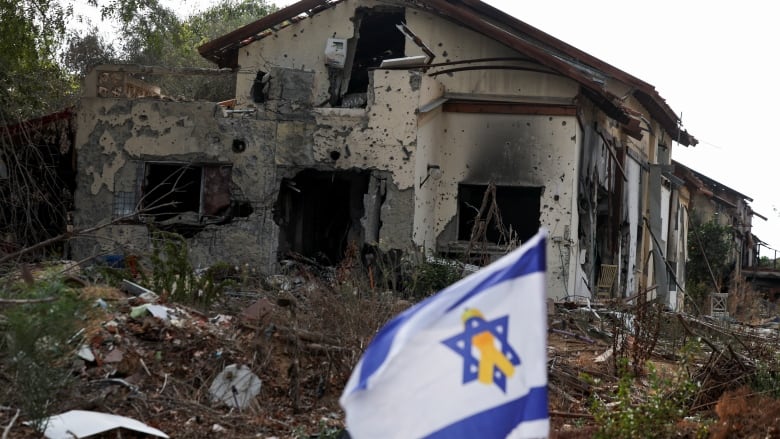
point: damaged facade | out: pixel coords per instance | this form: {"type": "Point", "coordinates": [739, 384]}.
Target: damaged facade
{"type": "Point", "coordinates": [384, 122]}
{"type": "Point", "coordinates": [714, 201]}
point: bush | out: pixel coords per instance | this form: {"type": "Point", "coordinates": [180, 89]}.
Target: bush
{"type": "Point", "coordinates": [34, 341]}
{"type": "Point", "coordinates": [654, 417]}
{"type": "Point", "coordinates": [173, 274]}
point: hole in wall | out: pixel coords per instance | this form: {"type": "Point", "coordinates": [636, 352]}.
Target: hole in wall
{"type": "Point", "coordinates": [319, 213]}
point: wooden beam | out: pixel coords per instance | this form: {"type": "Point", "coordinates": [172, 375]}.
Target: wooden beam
{"type": "Point", "coordinates": [509, 108]}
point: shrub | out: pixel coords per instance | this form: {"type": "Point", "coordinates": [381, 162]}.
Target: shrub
{"type": "Point", "coordinates": [33, 342]}
{"type": "Point", "coordinates": [654, 417]}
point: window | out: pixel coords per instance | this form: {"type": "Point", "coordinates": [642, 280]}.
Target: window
{"type": "Point", "coordinates": [378, 39]}
{"type": "Point", "coordinates": [185, 197]}
{"type": "Point", "coordinates": [518, 208]}
{"type": "Point", "coordinates": [319, 213]}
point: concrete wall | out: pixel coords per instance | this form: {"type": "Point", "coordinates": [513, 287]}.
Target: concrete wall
{"type": "Point", "coordinates": [295, 129]}
{"type": "Point", "coordinates": [510, 150]}
{"type": "Point", "coordinates": [114, 139]}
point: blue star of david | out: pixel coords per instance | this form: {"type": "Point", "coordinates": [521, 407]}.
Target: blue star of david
{"type": "Point", "coordinates": [462, 344]}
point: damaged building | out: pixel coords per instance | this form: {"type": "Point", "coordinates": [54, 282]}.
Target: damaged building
{"type": "Point", "coordinates": [386, 122]}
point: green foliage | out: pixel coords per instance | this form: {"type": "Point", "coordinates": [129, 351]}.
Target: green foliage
{"type": "Point", "coordinates": [709, 249]}
{"type": "Point", "coordinates": [152, 34]}
{"type": "Point", "coordinates": [173, 274]}
{"type": "Point", "coordinates": [765, 379]}
{"type": "Point", "coordinates": [655, 416]}
{"type": "Point", "coordinates": [34, 342]}
{"type": "Point", "coordinates": [430, 277]}
{"type": "Point", "coordinates": [31, 81]}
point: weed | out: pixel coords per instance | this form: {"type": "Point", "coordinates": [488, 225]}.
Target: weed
{"type": "Point", "coordinates": [33, 342]}
{"type": "Point", "coordinates": [173, 274]}
{"type": "Point", "coordinates": [655, 416]}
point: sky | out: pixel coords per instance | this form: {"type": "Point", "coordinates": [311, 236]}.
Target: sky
{"type": "Point", "coordinates": [712, 61]}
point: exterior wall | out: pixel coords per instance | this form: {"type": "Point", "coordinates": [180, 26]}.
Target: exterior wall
{"type": "Point", "coordinates": [510, 150]}
{"type": "Point", "coordinates": [116, 136]}
{"type": "Point", "coordinates": [450, 42]}
{"type": "Point", "coordinates": [398, 138]}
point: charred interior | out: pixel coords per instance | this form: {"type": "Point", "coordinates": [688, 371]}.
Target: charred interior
{"type": "Point", "coordinates": [185, 197]}
{"type": "Point", "coordinates": [376, 39]}
{"type": "Point", "coordinates": [319, 213]}
{"type": "Point", "coordinates": [518, 208]}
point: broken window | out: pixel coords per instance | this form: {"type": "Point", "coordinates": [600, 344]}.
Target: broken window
{"type": "Point", "coordinates": [518, 209]}
{"type": "Point", "coordinates": [185, 197]}
{"type": "Point", "coordinates": [319, 213]}
{"type": "Point", "coordinates": [260, 87]}
{"type": "Point", "coordinates": [378, 39]}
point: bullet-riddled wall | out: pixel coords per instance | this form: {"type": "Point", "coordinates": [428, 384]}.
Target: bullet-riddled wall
{"type": "Point", "coordinates": [118, 139]}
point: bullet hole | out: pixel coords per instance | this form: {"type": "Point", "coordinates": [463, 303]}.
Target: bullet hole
{"type": "Point", "coordinates": [440, 44]}
{"type": "Point", "coordinates": [556, 197]}
{"type": "Point", "coordinates": [550, 118]}
{"type": "Point", "coordinates": [239, 146]}
{"type": "Point", "coordinates": [444, 53]}
{"type": "Point", "coordinates": [143, 118]}
{"type": "Point", "coordinates": [335, 155]}
{"type": "Point", "coordinates": [563, 123]}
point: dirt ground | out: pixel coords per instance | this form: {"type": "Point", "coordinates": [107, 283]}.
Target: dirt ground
{"type": "Point", "coordinates": [302, 335]}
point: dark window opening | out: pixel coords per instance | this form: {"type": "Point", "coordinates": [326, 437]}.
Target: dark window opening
{"type": "Point", "coordinates": [184, 198]}
{"type": "Point", "coordinates": [260, 87]}
{"type": "Point", "coordinates": [319, 213]}
{"type": "Point", "coordinates": [170, 190]}
{"type": "Point", "coordinates": [518, 206]}
{"type": "Point", "coordinates": [378, 39]}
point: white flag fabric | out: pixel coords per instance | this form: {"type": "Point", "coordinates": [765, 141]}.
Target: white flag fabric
{"type": "Point", "coordinates": [468, 362]}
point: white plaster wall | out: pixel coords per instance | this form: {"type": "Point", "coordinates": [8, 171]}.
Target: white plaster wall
{"type": "Point", "coordinates": [516, 150]}
{"type": "Point", "coordinates": [634, 175]}
{"type": "Point", "coordinates": [298, 46]}
{"type": "Point", "coordinates": [450, 42]}
{"type": "Point", "coordinates": [384, 136]}
{"type": "Point", "coordinates": [429, 125]}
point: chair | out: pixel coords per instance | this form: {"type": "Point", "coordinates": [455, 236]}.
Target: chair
{"type": "Point", "coordinates": [606, 280]}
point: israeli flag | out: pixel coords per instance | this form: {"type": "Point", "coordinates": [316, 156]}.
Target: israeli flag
{"type": "Point", "coordinates": [469, 362]}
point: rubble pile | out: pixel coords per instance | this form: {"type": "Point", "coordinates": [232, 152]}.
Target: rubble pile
{"type": "Point", "coordinates": [272, 362]}
{"type": "Point", "coordinates": [264, 363]}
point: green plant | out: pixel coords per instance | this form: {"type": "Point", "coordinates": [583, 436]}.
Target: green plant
{"type": "Point", "coordinates": [34, 340]}
{"type": "Point", "coordinates": [709, 246]}
{"type": "Point", "coordinates": [172, 272]}
{"type": "Point", "coordinates": [654, 416]}
{"type": "Point", "coordinates": [765, 378]}
{"type": "Point", "coordinates": [430, 277]}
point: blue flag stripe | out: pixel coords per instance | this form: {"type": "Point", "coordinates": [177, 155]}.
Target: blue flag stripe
{"type": "Point", "coordinates": [532, 261]}
{"type": "Point", "coordinates": [498, 421]}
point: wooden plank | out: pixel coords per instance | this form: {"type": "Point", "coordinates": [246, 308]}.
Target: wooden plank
{"type": "Point", "coordinates": [509, 108]}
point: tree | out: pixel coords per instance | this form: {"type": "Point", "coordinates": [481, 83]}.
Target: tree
{"type": "Point", "coordinates": [709, 250]}
{"type": "Point", "coordinates": [31, 81]}
{"type": "Point", "coordinates": [156, 35]}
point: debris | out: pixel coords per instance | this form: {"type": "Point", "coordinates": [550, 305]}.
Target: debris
{"type": "Point", "coordinates": [258, 311]}
{"type": "Point", "coordinates": [114, 356]}
{"type": "Point", "coordinates": [134, 289]}
{"type": "Point", "coordinates": [85, 353]}
{"type": "Point", "coordinates": [83, 424]}
{"type": "Point", "coordinates": [159, 311]}
{"type": "Point", "coordinates": [235, 386]}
